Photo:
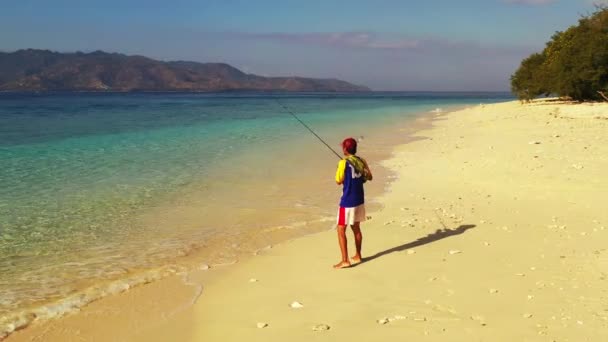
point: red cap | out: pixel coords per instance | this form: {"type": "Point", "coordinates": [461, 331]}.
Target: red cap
{"type": "Point", "coordinates": [350, 145]}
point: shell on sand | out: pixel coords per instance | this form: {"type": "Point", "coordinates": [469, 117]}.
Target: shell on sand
{"type": "Point", "coordinates": [320, 327]}
{"type": "Point", "coordinates": [296, 305]}
{"type": "Point", "coordinates": [262, 325]}
{"type": "Point", "coordinates": [382, 321]}
{"type": "Point", "coordinates": [480, 319]}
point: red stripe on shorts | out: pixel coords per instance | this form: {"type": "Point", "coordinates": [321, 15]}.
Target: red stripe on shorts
{"type": "Point", "coordinates": [342, 217]}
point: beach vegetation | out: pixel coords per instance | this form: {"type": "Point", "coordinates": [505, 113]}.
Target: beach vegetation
{"type": "Point", "coordinates": [574, 63]}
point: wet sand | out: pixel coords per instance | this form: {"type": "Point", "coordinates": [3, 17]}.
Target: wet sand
{"type": "Point", "coordinates": [494, 230]}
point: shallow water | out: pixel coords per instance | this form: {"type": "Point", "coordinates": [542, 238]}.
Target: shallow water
{"type": "Point", "coordinates": [98, 187]}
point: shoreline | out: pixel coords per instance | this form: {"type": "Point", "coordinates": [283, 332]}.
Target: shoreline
{"type": "Point", "coordinates": [479, 172]}
{"type": "Point", "coordinates": [80, 300]}
{"type": "Point", "coordinates": [521, 259]}
{"type": "Point", "coordinates": [518, 260]}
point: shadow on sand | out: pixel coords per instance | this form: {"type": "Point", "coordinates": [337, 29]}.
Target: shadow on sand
{"type": "Point", "coordinates": [437, 235]}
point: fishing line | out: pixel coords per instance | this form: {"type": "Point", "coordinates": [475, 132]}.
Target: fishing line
{"type": "Point", "coordinates": [305, 125]}
{"type": "Point", "coordinates": [331, 149]}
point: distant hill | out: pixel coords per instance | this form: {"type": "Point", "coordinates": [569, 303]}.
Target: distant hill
{"type": "Point", "coordinates": [43, 70]}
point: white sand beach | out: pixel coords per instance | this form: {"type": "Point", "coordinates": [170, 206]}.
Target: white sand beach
{"type": "Point", "coordinates": [496, 229]}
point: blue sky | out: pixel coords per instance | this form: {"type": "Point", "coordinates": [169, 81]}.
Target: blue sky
{"type": "Point", "coordinates": [384, 44]}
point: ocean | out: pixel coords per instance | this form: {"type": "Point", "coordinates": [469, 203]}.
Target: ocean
{"type": "Point", "coordinates": [100, 192]}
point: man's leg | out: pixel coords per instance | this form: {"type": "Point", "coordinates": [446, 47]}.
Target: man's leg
{"type": "Point", "coordinates": [343, 247]}
{"type": "Point", "coordinates": [358, 240]}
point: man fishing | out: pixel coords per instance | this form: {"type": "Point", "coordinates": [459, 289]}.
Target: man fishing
{"type": "Point", "coordinates": [352, 172]}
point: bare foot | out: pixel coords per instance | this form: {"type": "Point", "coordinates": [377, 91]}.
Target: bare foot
{"type": "Point", "coordinates": [342, 264]}
{"type": "Point", "coordinates": [356, 258]}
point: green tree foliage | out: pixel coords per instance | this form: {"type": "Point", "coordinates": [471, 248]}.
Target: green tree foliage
{"type": "Point", "coordinates": [573, 64]}
{"type": "Point", "coordinates": [527, 82]}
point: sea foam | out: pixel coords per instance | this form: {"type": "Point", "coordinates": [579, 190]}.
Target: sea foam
{"type": "Point", "coordinates": [73, 303]}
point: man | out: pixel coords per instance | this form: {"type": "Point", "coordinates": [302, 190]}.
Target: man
{"type": "Point", "coordinates": [351, 174]}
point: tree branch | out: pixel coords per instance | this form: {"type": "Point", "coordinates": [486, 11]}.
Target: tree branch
{"type": "Point", "coordinates": [603, 95]}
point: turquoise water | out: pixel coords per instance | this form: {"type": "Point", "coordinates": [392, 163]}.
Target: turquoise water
{"type": "Point", "coordinates": [94, 187]}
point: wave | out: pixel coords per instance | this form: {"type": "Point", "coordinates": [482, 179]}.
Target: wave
{"type": "Point", "coordinates": [56, 309]}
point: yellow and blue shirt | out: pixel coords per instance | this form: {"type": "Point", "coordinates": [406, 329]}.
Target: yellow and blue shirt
{"type": "Point", "coordinates": [352, 184]}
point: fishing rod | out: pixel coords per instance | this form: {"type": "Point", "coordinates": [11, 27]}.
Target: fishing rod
{"type": "Point", "coordinates": [305, 125]}
{"type": "Point", "coordinates": [331, 149]}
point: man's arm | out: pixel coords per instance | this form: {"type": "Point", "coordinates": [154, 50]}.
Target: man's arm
{"type": "Point", "coordinates": [340, 172]}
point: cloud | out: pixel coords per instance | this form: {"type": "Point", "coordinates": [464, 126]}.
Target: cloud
{"type": "Point", "coordinates": [383, 61]}
{"type": "Point", "coordinates": [529, 2]}
{"type": "Point", "coordinates": [372, 41]}
{"type": "Point", "coordinates": [357, 40]}
{"type": "Point", "coordinates": [599, 2]}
